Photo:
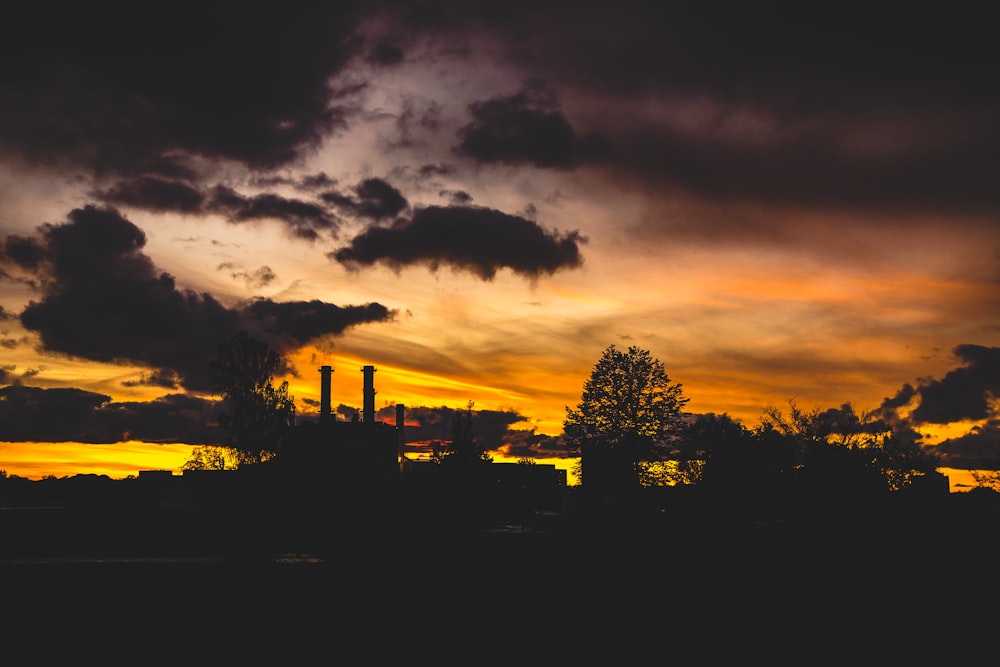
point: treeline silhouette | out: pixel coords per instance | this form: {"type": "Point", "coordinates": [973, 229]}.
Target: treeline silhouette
{"type": "Point", "coordinates": [640, 456]}
{"type": "Point", "coordinates": [815, 531]}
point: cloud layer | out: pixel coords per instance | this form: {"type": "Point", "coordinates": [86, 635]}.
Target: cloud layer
{"type": "Point", "coordinates": [479, 240]}
{"type": "Point", "coordinates": [970, 392]}
{"type": "Point", "coordinates": [103, 299]}
{"type": "Point", "coordinates": [107, 90]}
{"type": "Point", "coordinates": [73, 415]}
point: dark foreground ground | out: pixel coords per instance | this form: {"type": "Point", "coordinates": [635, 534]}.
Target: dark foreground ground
{"type": "Point", "coordinates": [365, 587]}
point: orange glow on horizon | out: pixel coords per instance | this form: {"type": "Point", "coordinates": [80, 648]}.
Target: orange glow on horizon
{"type": "Point", "coordinates": [35, 460]}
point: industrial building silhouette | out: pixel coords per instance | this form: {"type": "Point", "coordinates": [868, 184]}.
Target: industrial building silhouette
{"type": "Point", "coordinates": [370, 456]}
{"type": "Point", "coordinates": [365, 452]}
{"type": "Point", "coordinates": [330, 464]}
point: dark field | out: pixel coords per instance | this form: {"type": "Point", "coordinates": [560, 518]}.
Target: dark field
{"type": "Point", "coordinates": [366, 586]}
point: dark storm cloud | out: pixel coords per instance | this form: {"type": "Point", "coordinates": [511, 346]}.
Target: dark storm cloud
{"type": "Point", "coordinates": [61, 415]}
{"type": "Point", "coordinates": [155, 194]}
{"type": "Point", "coordinates": [373, 198]}
{"type": "Point", "coordinates": [303, 219]}
{"type": "Point", "coordinates": [902, 397]}
{"type": "Point", "coordinates": [6, 374]}
{"type": "Point", "coordinates": [171, 418]}
{"type": "Point", "coordinates": [479, 240]}
{"type": "Point", "coordinates": [103, 299]}
{"type": "Point", "coordinates": [32, 413]}
{"type": "Point", "coordinates": [856, 105]}
{"type": "Point", "coordinates": [490, 427]}
{"type": "Point", "coordinates": [305, 320]}
{"type": "Point", "coordinates": [977, 449]}
{"type": "Point", "coordinates": [785, 53]}
{"type": "Point", "coordinates": [111, 89]}
{"type": "Point", "coordinates": [963, 393]}
{"type": "Point", "coordinates": [522, 443]}
{"type": "Point", "coordinates": [523, 129]}
{"type": "Point", "coordinates": [27, 253]}
{"type": "Point", "coordinates": [860, 107]}
{"type": "Point", "coordinates": [307, 183]}
{"type": "Point", "coordinates": [814, 167]}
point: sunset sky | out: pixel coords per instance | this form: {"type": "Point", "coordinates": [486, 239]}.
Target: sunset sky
{"type": "Point", "coordinates": [780, 201]}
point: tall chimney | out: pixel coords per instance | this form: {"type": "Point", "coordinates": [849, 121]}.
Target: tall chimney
{"type": "Point", "coordinates": [324, 393]}
{"type": "Point", "coordinates": [400, 433]}
{"type": "Point", "coordinates": [369, 407]}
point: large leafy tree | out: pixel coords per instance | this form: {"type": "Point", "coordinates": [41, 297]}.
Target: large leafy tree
{"type": "Point", "coordinates": [629, 412]}
{"type": "Point", "coordinates": [257, 414]}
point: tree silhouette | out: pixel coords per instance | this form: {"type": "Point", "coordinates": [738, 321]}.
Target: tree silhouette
{"type": "Point", "coordinates": [629, 412]}
{"type": "Point", "coordinates": [839, 449]}
{"type": "Point", "coordinates": [210, 457]}
{"type": "Point", "coordinates": [258, 413]}
{"type": "Point", "coordinates": [903, 461]}
{"type": "Point", "coordinates": [717, 450]}
{"type": "Point", "coordinates": [736, 468]}
{"type": "Point", "coordinates": [464, 447]}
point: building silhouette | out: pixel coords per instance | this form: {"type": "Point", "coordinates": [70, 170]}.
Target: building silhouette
{"type": "Point", "coordinates": [329, 468]}
{"type": "Point", "coordinates": [367, 457]}
{"type": "Point", "coordinates": [359, 454]}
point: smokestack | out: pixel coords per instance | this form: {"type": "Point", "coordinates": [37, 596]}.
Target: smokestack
{"type": "Point", "coordinates": [324, 393]}
{"type": "Point", "coordinates": [369, 407]}
{"type": "Point", "coordinates": [400, 433]}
